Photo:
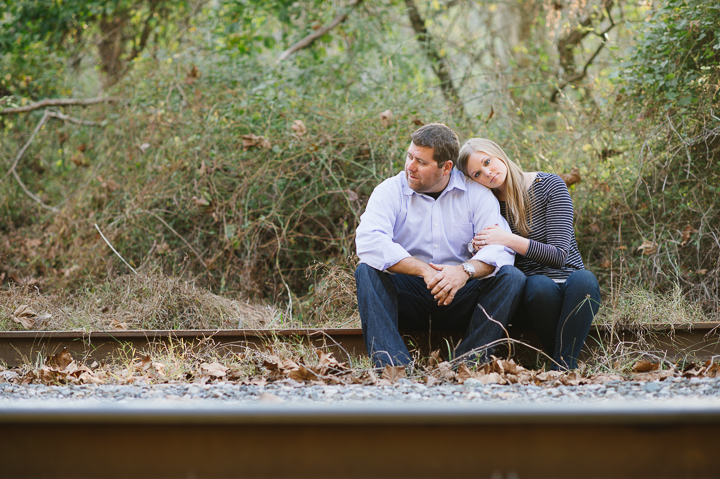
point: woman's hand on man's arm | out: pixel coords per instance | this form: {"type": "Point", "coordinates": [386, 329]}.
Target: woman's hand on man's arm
{"type": "Point", "coordinates": [495, 235]}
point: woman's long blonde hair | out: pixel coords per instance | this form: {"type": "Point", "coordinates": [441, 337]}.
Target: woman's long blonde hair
{"type": "Point", "coordinates": [517, 198]}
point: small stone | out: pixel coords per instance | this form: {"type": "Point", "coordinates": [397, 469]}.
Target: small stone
{"type": "Point", "coordinates": [472, 383]}
{"type": "Point", "coordinates": [652, 387]}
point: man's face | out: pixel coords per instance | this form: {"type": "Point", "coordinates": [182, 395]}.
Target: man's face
{"type": "Point", "coordinates": [422, 172]}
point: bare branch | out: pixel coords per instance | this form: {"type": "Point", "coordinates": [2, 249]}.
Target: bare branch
{"type": "Point", "coordinates": [310, 39]}
{"type": "Point", "coordinates": [565, 50]}
{"type": "Point", "coordinates": [13, 169]}
{"type": "Point", "coordinates": [57, 102]}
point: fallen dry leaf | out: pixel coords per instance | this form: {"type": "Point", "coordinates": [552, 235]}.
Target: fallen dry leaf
{"type": "Point", "coordinates": [431, 380]}
{"type": "Point", "coordinates": [117, 325]}
{"type": "Point", "coordinates": [393, 373]}
{"type": "Point", "coordinates": [60, 360]}
{"type": "Point", "coordinates": [644, 366]}
{"type": "Point", "coordinates": [492, 378]}
{"type": "Point", "coordinates": [215, 369]}
{"type": "Point", "coordinates": [572, 177]}
{"type": "Point", "coordinates": [302, 374]}
{"type": "Point", "coordinates": [25, 316]}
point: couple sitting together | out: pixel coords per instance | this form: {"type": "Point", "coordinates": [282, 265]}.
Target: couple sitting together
{"type": "Point", "coordinates": [463, 239]}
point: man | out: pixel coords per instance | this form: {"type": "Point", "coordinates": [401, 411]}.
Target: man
{"type": "Point", "coordinates": [415, 265]}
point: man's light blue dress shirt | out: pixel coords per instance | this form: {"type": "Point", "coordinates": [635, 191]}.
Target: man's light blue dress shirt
{"type": "Point", "coordinates": [399, 222]}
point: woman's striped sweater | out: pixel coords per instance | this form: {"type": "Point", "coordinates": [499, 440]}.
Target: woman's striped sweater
{"type": "Point", "coordinates": [553, 251]}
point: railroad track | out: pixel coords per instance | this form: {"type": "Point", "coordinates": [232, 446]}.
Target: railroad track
{"type": "Point", "coordinates": [702, 340]}
{"type": "Point", "coordinates": [382, 441]}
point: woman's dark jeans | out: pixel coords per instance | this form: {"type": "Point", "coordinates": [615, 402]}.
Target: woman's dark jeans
{"type": "Point", "coordinates": [560, 313]}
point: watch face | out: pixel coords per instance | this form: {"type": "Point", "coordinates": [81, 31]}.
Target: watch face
{"type": "Point", "coordinates": [470, 248]}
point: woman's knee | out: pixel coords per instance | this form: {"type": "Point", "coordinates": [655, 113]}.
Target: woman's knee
{"type": "Point", "coordinates": [540, 287]}
{"type": "Point", "coordinates": [584, 281]}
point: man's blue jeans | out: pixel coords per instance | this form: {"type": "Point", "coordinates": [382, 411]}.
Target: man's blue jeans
{"type": "Point", "coordinates": [560, 313]}
{"type": "Point", "coordinates": [387, 302]}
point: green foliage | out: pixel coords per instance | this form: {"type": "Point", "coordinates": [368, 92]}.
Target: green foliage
{"type": "Point", "coordinates": [677, 58]}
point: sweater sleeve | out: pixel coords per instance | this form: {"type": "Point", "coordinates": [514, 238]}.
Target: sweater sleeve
{"type": "Point", "coordinates": [559, 225]}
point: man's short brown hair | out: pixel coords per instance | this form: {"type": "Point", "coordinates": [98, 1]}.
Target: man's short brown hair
{"type": "Point", "coordinates": [441, 138]}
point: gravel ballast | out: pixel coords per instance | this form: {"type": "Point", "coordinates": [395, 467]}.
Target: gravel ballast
{"type": "Point", "coordinates": [292, 392]}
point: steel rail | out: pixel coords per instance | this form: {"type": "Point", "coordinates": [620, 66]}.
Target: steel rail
{"type": "Point", "coordinates": [372, 441]}
{"type": "Point", "coordinates": [17, 347]}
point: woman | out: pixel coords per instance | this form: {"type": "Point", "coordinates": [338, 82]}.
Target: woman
{"type": "Point", "coordinates": [561, 297]}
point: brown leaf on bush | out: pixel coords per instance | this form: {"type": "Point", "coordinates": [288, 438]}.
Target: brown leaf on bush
{"type": "Point", "coordinates": [572, 177]}
{"type": "Point", "coordinates": [110, 185]}
{"type": "Point", "coordinates": [25, 316]}
{"type": "Point", "coordinates": [299, 128]}
{"type": "Point", "coordinates": [648, 247]}
{"type": "Point", "coordinates": [352, 196]}
{"type": "Point", "coordinates": [606, 264]}
{"type": "Point", "coordinates": [200, 202]}
{"type": "Point", "coordinates": [386, 118]}
{"type": "Point", "coordinates": [302, 374]}
{"type": "Point", "coordinates": [163, 248]}
{"type": "Point", "coordinates": [393, 373]}
{"type": "Point", "coordinates": [80, 160]}
{"type": "Point", "coordinates": [644, 366]}
{"type": "Point", "coordinates": [215, 370]}
{"type": "Point", "coordinates": [687, 234]}
{"type": "Point", "coordinates": [192, 75]}
{"type": "Point", "coordinates": [252, 141]}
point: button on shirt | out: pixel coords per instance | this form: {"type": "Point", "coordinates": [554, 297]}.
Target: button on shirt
{"type": "Point", "coordinates": [399, 222]}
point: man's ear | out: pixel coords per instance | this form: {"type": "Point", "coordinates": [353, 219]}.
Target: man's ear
{"type": "Point", "coordinates": [447, 168]}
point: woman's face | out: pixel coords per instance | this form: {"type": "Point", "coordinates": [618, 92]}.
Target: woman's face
{"type": "Point", "coordinates": [487, 170]}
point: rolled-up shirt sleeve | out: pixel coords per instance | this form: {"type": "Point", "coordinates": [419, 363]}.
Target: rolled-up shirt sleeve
{"type": "Point", "coordinates": [374, 235]}
{"type": "Point", "coordinates": [486, 212]}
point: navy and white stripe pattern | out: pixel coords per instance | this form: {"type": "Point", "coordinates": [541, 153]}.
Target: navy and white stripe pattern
{"type": "Point", "coordinates": [553, 251]}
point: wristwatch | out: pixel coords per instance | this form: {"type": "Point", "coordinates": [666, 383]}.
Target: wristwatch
{"type": "Point", "coordinates": [469, 269]}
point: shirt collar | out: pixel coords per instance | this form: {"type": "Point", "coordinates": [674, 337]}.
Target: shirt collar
{"type": "Point", "coordinates": [457, 180]}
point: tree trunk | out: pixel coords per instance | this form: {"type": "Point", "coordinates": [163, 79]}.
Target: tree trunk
{"type": "Point", "coordinates": [438, 62]}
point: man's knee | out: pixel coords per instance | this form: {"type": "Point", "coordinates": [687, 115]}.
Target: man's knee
{"type": "Point", "coordinates": [512, 278]}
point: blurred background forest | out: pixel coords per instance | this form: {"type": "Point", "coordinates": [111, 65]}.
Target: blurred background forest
{"type": "Point", "coordinates": [226, 148]}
